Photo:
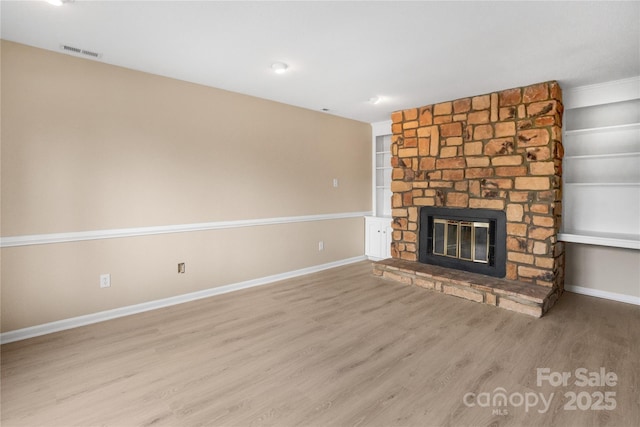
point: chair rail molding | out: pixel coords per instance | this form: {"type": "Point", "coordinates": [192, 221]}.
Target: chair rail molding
{"type": "Point", "coordinates": [42, 239]}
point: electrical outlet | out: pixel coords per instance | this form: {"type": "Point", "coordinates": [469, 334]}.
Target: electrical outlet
{"type": "Point", "coordinates": [181, 268]}
{"type": "Point", "coordinates": [335, 182]}
{"type": "Point", "coordinates": [105, 280]}
{"type": "Point", "coordinates": [321, 245]}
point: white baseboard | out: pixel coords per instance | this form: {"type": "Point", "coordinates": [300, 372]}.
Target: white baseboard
{"type": "Point", "coordinates": [629, 299]}
{"type": "Point", "coordinates": [74, 322]}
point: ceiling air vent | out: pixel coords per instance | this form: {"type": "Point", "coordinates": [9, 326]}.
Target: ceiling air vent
{"type": "Point", "coordinates": [79, 51]}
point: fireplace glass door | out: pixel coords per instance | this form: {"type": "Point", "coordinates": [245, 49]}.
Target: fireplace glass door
{"type": "Point", "coordinates": [461, 239]}
{"type": "Point", "coordinates": [465, 239]}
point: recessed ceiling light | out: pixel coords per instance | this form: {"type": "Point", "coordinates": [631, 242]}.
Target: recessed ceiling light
{"type": "Point", "coordinates": [375, 100]}
{"type": "Point", "coordinates": [279, 67]}
{"type": "Point", "coordinates": [58, 2]}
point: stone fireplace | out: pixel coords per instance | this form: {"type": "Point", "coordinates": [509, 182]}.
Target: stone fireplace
{"type": "Point", "coordinates": [486, 167]}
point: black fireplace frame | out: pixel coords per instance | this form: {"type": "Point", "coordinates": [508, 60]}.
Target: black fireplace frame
{"type": "Point", "coordinates": [496, 267]}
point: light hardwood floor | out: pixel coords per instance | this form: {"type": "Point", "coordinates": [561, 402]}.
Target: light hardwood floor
{"type": "Point", "coordinates": [335, 348]}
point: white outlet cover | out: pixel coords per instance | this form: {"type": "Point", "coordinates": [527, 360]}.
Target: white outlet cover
{"type": "Point", "coordinates": [105, 280]}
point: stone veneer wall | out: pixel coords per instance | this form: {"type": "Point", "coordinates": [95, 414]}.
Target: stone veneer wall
{"type": "Point", "coordinates": [501, 151]}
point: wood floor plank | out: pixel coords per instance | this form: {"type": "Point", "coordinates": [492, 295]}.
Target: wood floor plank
{"type": "Point", "coordinates": [335, 348]}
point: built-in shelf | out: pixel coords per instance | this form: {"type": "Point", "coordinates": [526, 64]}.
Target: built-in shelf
{"type": "Point", "coordinates": [603, 129]}
{"type": "Point", "coordinates": [382, 168]}
{"type": "Point", "coordinates": [604, 184]}
{"type": "Point", "coordinates": [616, 240]}
{"type": "Point", "coordinates": [602, 156]}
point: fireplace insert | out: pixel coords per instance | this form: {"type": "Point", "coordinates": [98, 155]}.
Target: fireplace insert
{"type": "Point", "coordinates": [465, 239]}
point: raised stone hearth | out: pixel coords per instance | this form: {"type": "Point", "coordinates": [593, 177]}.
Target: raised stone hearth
{"type": "Point", "coordinates": [533, 300]}
{"type": "Point", "coordinates": [500, 151]}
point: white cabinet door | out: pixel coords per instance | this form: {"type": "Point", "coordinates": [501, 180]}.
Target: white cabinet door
{"type": "Point", "coordinates": [372, 238]}
{"type": "Point", "coordinates": [386, 244]}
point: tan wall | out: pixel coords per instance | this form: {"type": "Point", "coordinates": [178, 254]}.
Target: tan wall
{"type": "Point", "coordinates": [602, 268]}
{"type": "Point", "coordinates": [89, 146]}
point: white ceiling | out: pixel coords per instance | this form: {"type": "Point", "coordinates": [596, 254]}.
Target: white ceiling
{"type": "Point", "coordinates": [341, 54]}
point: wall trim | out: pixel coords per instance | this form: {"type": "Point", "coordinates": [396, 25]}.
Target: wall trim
{"type": "Point", "coordinates": [43, 239]}
{"type": "Point", "coordinates": [602, 93]}
{"type": "Point", "coordinates": [74, 322]}
{"type": "Point", "coordinates": [629, 299]}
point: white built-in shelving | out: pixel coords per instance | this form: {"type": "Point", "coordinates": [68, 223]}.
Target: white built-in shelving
{"type": "Point", "coordinates": [378, 227]}
{"type": "Point", "coordinates": [601, 173]}
{"type": "Point", "coordinates": [383, 175]}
